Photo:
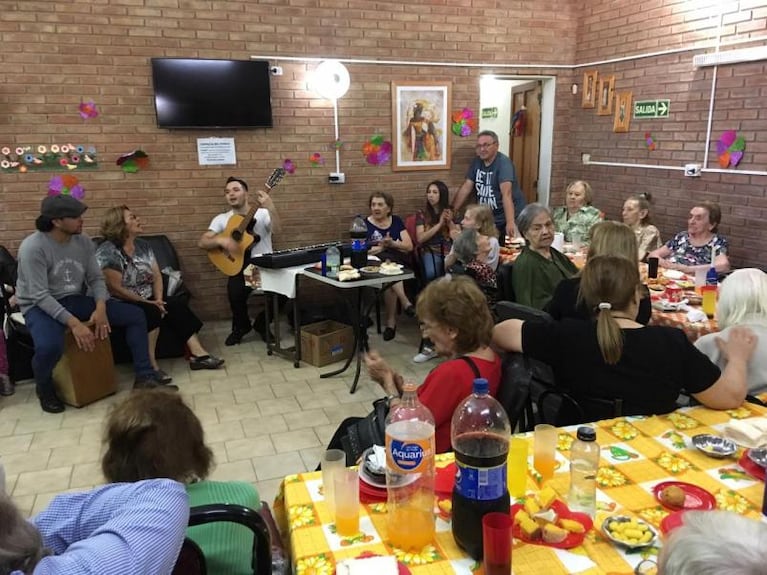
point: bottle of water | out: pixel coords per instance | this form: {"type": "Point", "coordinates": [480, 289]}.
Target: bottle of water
{"type": "Point", "coordinates": [479, 433]}
{"type": "Point", "coordinates": [410, 472]}
{"type": "Point", "coordinates": [584, 464]}
{"type": "Point", "coordinates": [332, 261]}
{"type": "Point", "coordinates": [359, 234]}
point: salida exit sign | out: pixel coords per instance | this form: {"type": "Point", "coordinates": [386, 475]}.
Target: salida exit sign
{"type": "Point", "coordinates": [651, 108]}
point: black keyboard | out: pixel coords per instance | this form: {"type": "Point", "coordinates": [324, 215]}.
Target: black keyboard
{"type": "Point", "coordinates": [298, 256]}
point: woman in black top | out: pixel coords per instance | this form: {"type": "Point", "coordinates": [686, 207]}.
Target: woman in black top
{"type": "Point", "coordinates": [614, 357]}
{"type": "Point", "coordinates": [607, 239]}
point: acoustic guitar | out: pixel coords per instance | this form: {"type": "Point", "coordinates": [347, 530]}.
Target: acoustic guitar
{"type": "Point", "coordinates": [230, 263]}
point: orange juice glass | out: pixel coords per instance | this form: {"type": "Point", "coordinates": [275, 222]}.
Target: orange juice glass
{"type": "Point", "coordinates": [544, 450]}
{"type": "Point", "coordinates": [708, 300]}
{"type": "Point", "coordinates": [516, 467]}
{"type": "Point", "coordinates": [411, 529]}
{"type": "Point", "coordinates": [346, 489]}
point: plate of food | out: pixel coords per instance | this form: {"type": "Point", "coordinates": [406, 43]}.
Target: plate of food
{"type": "Point", "coordinates": [753, 469]}
{"type": "Point", "coordinates": [674, 274]}
{"type": "Point", "coordinates": [714, 445]}
{"type": "Point", "coordinates": [629, 531]}
{"type": "Point", "coordinates": [545, 520]}
{"type": "Point", "coordinates": [390, 269]}
{"type": "Point", "coordinates": [369, 270]}
{"type": "Point", "coordinates": [680, 495]}
{"type": "Point", "coordinates": [369, 562]}
{"type": "Point", "coordinates": [672, 521]}
{"type": "Point", "coordinates": [692, 297]}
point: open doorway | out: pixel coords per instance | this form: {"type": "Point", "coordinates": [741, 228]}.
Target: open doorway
{"type": "Point", "coordinates": [520, 109]}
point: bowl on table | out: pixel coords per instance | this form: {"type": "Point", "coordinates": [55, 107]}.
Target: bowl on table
{"type": "Point", "coordinates": [629, 531]}
{"type": "Point", "coordinates": [714, 445]}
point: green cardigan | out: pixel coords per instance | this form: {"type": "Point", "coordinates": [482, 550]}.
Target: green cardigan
{"type": "Point", "coordinates": [534, 278]}
{"type": "Point", "coordinates": [227, 546]}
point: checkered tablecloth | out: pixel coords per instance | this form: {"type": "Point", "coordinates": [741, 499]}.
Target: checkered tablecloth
{"type": "Point", "coordinates": [637, 454]}
{"type": "Point", "coordinates": [678, 319]}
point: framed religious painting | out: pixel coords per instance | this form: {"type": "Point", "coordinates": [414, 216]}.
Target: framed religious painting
{"type": "Point", "coordinates": [605, 95]}
{"type": "Point", "coordinates": [420, 125]}
{"type": "Point", "coordinates": [623, 108]}
{"type": "Point", "coordinates": [589, 98]}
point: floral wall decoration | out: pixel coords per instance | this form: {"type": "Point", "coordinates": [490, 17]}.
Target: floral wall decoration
{"type": "Point", "coordinates": [464, 123]}
{"type": "Point", "coordinates": [24, 158]}
{"type": "Point", "coordinates": [289, 166]}
{"type": "Point", "coordinates": [66, 185]}
{"type": "Point", "coordinates": [88, 110]}
{"type": "Point", "coordinates": [133, 161]}
{"type": "Point", "coordinates": [377, 151]}
{"type": "Point", "coordinates": [730, 149]}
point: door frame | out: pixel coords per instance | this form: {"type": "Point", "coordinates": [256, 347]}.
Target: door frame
{"type": "Point", "coordinates": [548, 100]}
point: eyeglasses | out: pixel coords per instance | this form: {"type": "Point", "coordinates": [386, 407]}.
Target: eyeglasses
{"type": "Point", "coordinates": [485, 146]}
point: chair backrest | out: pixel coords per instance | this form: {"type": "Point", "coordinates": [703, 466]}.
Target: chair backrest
{"type": "Point", "coordinates": [262, 547]}
{"type": "Point", "coordinates": [505, 288]}
{"type": "Point", "coordinates": [191, 560]}
{"type": "Point", "coordinates": [512, 310]}
{"type": "Point", "coordinates": [515, 392]}
{"type": "Point", "coordinates": [557, 407]}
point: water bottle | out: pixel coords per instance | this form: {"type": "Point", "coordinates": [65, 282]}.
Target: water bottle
{"type": "Point", "coordinates": [410, 472]}
{"type": "Point", "coordinates": [584, 464]}
{"type": "Point", "coordinates": [479, 432]}
{"type": "Point", "coordinates": [332, 261]}
{"type": "Point", "coordinates": [359, 234]}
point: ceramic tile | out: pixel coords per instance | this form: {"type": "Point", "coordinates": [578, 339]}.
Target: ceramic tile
{"type": "Point", "coordinates": [57, 438]}
{"type": "Point", "coordinates": [47, 481]}
{"type": "Point", "coordinates": [258, 426]}
{"type": "Point", "coordinates": [238, 449]}
{"type": "Point", "coordinates": [277, 406]}
{"type": "Point", "coordinates": [305, 418]}
{"type": "Point", "coordinates": [294, 440]}
{"type": "Point", "coordinates": [234, 471]}
{"type": "Point", "coordinates": [279, 465]}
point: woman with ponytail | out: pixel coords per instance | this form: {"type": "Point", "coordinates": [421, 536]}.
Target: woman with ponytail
{"type": "Point", "coordinates": [614, 357]}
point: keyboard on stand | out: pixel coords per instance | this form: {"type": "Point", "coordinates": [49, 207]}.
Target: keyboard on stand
{"type": "Point", "coordinates": [298, 256]}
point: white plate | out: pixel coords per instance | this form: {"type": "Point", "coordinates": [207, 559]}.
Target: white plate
{"type": "Point", "coordinates": [673, 274]}
{"type": "Point", "coordinates": [371, 480]}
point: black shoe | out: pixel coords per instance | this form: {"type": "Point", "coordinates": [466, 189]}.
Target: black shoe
{"type": "Point", "coordinates": [50, 403]}
{"type": "Point", "coordinates": [205, 362]}
{"type": "Point", "coordinates": [236, 336]}
{"type": "Point", "coordinates": [150, 382]}
{"type": "Point", "coordinates": [161, 377]}
{"type": "Point", "coordinates": [6, 385]}
{"type": "Point", "coordinates": [389, 333]}
{"type": "Point", "coordinates": [410, 310]}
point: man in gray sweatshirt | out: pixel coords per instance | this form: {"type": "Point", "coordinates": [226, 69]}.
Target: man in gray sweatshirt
{"type": "Point", "coordinates": [57, 268]}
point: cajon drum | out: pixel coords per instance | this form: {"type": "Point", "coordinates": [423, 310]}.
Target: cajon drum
{"type": "Point", "coordinates": [82, 377]}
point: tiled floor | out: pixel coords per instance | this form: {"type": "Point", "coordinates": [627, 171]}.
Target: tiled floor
{"type": "Point", "coordinates": [263, 418]}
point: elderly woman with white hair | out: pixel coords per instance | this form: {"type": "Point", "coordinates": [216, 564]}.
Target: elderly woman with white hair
{"type": "Point", "coordinates": [715, 543]}
{"type": "Point", "coordinates": [540, 267]}
{"type": "Point", "coordinates": [472, 250]}
{"type": "Point", "coordinates": [742, 301]}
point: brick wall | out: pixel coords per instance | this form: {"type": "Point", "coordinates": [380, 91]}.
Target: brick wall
{"type": "Point", "coordinates": [613, 29]}
{"type": "Point", "coordinates": [57, 53]}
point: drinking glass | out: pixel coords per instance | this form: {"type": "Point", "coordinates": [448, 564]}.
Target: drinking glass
{"type": "Point", "coordinates": [708, 297]}
{"type": "Point", "coordinates": [516, 464]}
{"type": "Point", "coordinates": [576, 240]}
{"type": "Point", "coordinates": [700, 279]}
{"type": "Point", "coordinates": [332, 460]}
{"type": "Point", "coordinates": [544, 450]}
{"type": "Point", "coordinates": [496, 543]}
{"type": "Point", "coordinates": [346, 486]}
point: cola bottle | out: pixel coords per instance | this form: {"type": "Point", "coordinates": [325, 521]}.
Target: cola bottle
{"type": "Point", "coordinates": [359, 234]}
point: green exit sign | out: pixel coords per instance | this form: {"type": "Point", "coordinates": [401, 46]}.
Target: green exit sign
{"type": "Point", "coordinates": [489, 113]}
{"type": "Point", "coordinates": [651, 108]}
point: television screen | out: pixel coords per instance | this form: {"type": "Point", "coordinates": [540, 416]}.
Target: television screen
{"type": "Point", "coordinates": [194, 93]}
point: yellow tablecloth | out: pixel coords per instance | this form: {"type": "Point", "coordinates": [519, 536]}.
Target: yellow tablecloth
{"type": "Point", "coordinates": [637, 453]}
{"type": "Point", "coordinates": [679, 320]}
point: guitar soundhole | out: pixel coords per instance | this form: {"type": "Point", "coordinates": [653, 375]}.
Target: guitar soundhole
{"type": "Point", "coordinates": [236, 235]}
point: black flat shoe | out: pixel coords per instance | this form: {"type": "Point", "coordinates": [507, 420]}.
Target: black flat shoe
{"type": "Point", "coordinates": [161, 377]}
{"type": "Point", "coordinates": [389, 333]}
{"type": "Point", "coordinates": [205, 362]}
{"type": "Point", "coordinates": [410, 310]}
{"type": "Point", "coordinates": [149, 382]}
{"type": "Point", "coordinates": [50, 403]}
{"type": "Point", "coordinates": [236, 336]}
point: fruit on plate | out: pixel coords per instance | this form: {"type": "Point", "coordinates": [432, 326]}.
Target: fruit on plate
{"type": "Point", "coordinates": [546, 497]}
{"type": "Point", "coordinates": [632, 533]}
{"type": "Point", "coordinates": [531, 506]}
{"type": "Point", "coordinates": [572, 526]}
{"type": "Point", "coordinates": [672, 495]}
{"type": "Point", "coordinates": [530, 528]}
{"type": "Point", "coordinates": [554, 534]}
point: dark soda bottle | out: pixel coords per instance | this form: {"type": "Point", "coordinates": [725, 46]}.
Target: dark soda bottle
{"type": "Point", "coordinates": [359, 235]}
{"type": "Point", "coordinates": [479, 434]}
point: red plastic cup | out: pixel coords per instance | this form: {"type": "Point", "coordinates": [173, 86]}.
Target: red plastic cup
{"type": "Point", "coordinates": [496, 543]}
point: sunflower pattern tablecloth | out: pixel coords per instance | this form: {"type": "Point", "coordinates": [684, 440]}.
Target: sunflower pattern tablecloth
{"type": "Point", "coordinates": [637, 454]}
{"type": "Point", "coordinates": [678, 319]}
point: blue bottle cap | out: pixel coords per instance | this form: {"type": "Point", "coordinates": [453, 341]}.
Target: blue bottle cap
{"type": "Point", "coordinates": [481, 386]}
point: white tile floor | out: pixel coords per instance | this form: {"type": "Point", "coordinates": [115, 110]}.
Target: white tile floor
{"type": "Point", "coordinates": [263, 418]}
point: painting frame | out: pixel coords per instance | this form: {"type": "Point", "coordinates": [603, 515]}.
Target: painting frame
{"type": "Point", "coordinates": [623, 111]}
{"type": "Point", "coordinates": [605, 95]}
{"type": "Point", "coordinates": [590, 86]}
{"type": "Point", "coordinates": [421, 136]}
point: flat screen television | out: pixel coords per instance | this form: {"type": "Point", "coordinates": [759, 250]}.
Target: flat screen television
{"type": "Point", "coordinates": [198, 93]}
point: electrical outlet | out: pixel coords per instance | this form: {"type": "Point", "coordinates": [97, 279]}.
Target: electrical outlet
{"type": "Point", "coordinates": [337, 178]}
{"type": "Point", "coordinates": [276, 70]}
{"type": "Point", "coordinates": [692, 170]}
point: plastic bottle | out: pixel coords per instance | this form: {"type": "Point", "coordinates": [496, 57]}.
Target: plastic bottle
{"type": "Point", "coordinates": [332, 261]}
{"type": "Point", "coordinates": [712, 277]}
{"type": "Point", "coordinates": [479, 432]}
{"type": "Point", "coordinates": [410, 472]}
{"type": "Point", "coordinates": [359, 234]}
{"type": "Point", "coordinates": [584, 464]}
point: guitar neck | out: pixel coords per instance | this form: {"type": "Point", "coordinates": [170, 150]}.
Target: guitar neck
{"type": "Point", "coordinates": [246, 219]}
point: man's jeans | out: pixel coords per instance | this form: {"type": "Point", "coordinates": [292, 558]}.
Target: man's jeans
{"type": "Point", "coordinates": [48, 336]}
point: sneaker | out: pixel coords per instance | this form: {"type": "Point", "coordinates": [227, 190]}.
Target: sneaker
{"type": "Point", "coordinates": [50, 403]}
{"type": "Point", "coordinates": [236, 336]}
{"type": "Point", "coordinates": [161, 377]}
{"type": "Point", "coordinates": [149, 382]}
{"type": "Point", "coordinates": [6, 385]}
{"type": "Point", "coordinates": [205, 362]}
{"type": "Point", "coordinates": [425, 355]}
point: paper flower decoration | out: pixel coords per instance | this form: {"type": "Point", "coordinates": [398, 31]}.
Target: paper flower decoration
{"type": "Point", "coordinates": [88, 110]}
{"type": "Point", "coordinates": [131, 162]}
{"type": "Point", "coordinates": [377, 151]}
{"type": "Point", "coordinates": [65, 185]}
{"type": "Point", "coordinates": [336, 144]}
{"type": "Point", "coordinates": [649, 142]}
{"type": "Point", "coordinates": [316, 160]}
{"type": "Point", "coordinates": [730, 148]}
{"type": "Point", "coordinates": [464, 123]}
{"type": "Point", "coordinates": [289, 166]}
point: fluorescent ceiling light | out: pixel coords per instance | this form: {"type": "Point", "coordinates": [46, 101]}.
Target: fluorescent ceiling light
{"type": "Point", "coordinates": [730, 57]}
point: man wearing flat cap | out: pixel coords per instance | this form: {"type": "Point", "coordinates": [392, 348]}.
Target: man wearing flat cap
{"type": "Point", "coordinates": [57, 268]}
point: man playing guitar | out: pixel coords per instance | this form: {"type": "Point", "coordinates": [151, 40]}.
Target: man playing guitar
{"type": "Point", "coordinates": [265, 220]}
